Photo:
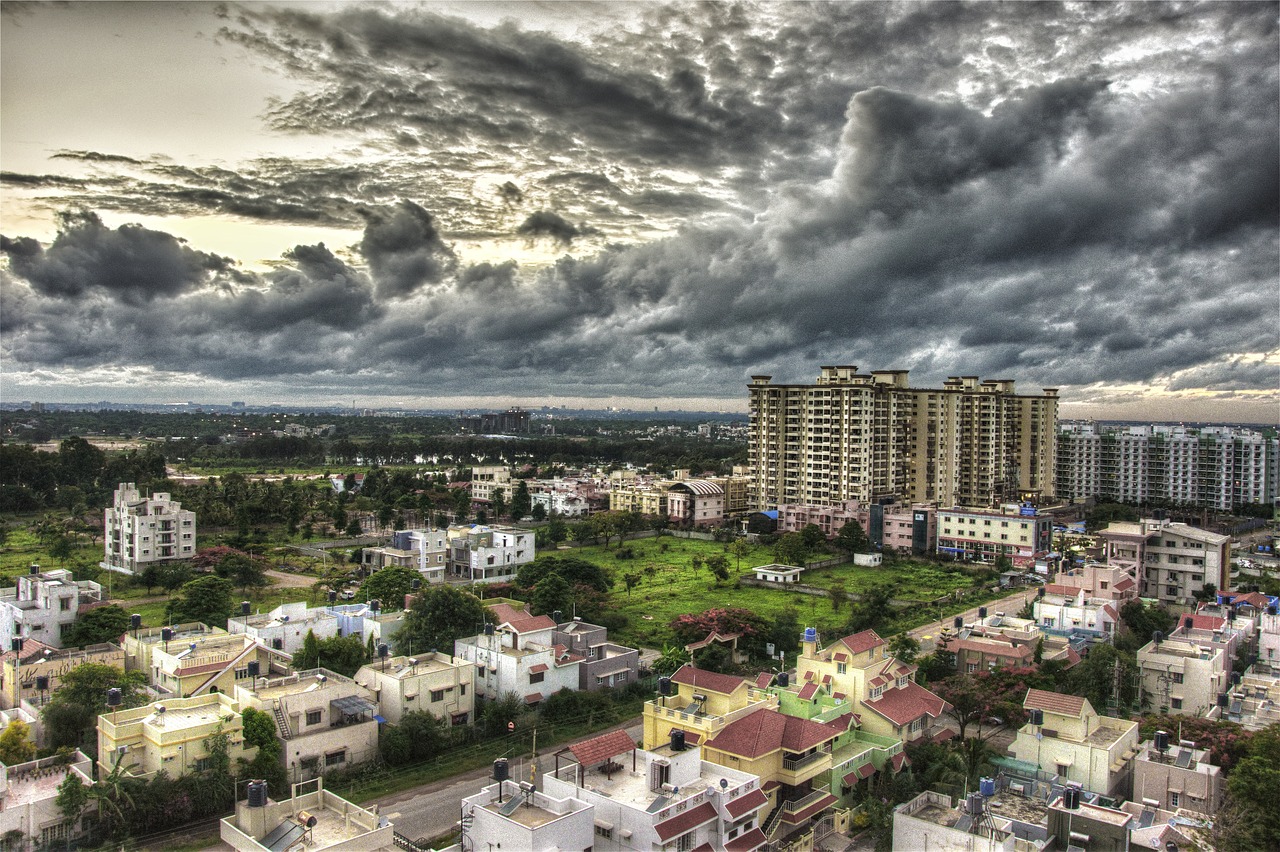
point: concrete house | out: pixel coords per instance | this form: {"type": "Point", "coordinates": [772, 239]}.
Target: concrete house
{"type": "Point", "coordinates": [433, 682]}
{"type": "Point", "coordinates": [1181, 676]}
{"type": "Point", "coordinates": [1178, 776]}
{"type": "Point", "coordinates": [489, 554]}
{"type": "Point", "coordinates": [170, 734]}
{"type": "Point", "coordinates": [285, 628]}
{"type": "Point", "coordinates": [604, 663]}
{"type": "Point", "coordinates": [43, 605]}
{"type": "Point", "coordinates": [139, 530]}
{"type": "Point", "coordinates": [28, 800]}
{"type": "Point", "coordinates": [1075, 742]}
{"type": "Point", "coordinates": [519, 654]}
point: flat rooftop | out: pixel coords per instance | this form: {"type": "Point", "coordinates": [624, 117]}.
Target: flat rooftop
{"type": "Point", "coordinates": [28, 787]}
{"type": "Point", "coordinates": [399, 667]}
{"type": "Point", "coordinates": [305, 681]}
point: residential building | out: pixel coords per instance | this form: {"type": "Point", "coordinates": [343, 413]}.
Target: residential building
{"type": "Point", "coordinates": [668, 797]}
{"type": "Point", "coordinates": [864, 437]}
{"type": "Point", "coordinates": [44, 604]}
{"type": "Point", "coordinates": [324, 721]}
{"type": "Point", "coordinates": [29, 806]}
{"type": "Point", "coordinates": [509, 422]}
{"type": "Point", "coordinates": [1171, 561]}
{"type": "Point", "coordinates": [310, 818]}
{"type": "Point", "coordinates": [361, 619]}
{"type": "Point", "coordinates": [486, 480]}
{"type": "Point", "coordinates": [696, 503]}
{"type": "Point", "coordinates": [1218, 467]}
{"type": "Point", "coordinates": [930, 821]}
{"type": "Point", "coordinates": [700, 703]}
{"type": "Point", "coordinates": [1069, 612]}
{"type": "Point", "coordinates": [33, 675]}
{"type": "Point", "coordinates": [518, 654]}
{"type": "Point", "coordinates": [1000, 640]}
{"type": "Point", "coordinates": [424, 550]}
{"type": "Point", "coordinates": [528, 819]}
{"type": "Point", "coordinates": [880, 688]}
{"type": "Point", "coordinates": [1100, 581]}
{"type": "Point", "coordinates": [1075, 742]}
{"type": "Point", "coordinates": [1269, 638]}
{"type": "Point", "coordinates": [170, 734]}
{"type": "Point", "coordinates": [1182, 676]}
{"type": "Point", "coordinates": [1015, 532]}
{"type": "Point", "coordinates": [604, 663]}
{"type": "Point", "coordinates": [139, 530]}
{"type": "Point", "coordinates": [431, 682]}
{"type": "Point", "coordinates": [896, 527]}
{"type": "Point", "coordinates": [285, 628]}
{"type": "Point", "coordinates": [211, 663]}
{"type": "Point", "coordinates": [29, 717]}
{"type": "Point", "coordinates": [1254, 702]}
{"type": "Point", "coordinates": [489, 554]}
{"type": "Point", "coordinates": [1178, 776]}
{"type": "Point", "coordinates": [139, 644]}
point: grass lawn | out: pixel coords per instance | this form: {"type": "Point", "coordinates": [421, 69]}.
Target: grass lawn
{"type": "Point", "coordinates": [674, 588]}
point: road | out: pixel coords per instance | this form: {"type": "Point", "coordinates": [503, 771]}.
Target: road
{"type": "Point", "coordinates": [430, 811]}
{"type": "Point", "coordinates": [927, 634]}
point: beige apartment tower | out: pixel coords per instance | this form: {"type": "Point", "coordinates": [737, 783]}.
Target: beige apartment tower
{"type": "Point", "coordinates": [863, 437]}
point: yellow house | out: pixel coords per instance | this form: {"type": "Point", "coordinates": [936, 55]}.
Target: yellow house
{"type": "Point", "coordinates": [211, 663]}
{"type": "Point", "coordinates": [880, 688]}
{"type": "Point", "coordinates": [1072, 740]}
{"type": "Point", "coordinates": [170, 734]}
{"type": "Point", "coordinates": [701, 704]}
{"type": "Point", "coordinates": [34, 678]}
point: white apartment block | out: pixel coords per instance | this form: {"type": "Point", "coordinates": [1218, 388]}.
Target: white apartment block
{"type": "Point", "coordinates": [28, 801]}
{"type": "Point", "coordinates": [559, 503]}
{"type": "Point", "coordinates": [1067, 611]}
{"type": "Point", "coordinates": [285, 628]}
{"type": "Point", "coordinates": [324, 721]}
{"type": "Point", "coordinates": [1182, 677]}
{"type": "Point", "coordinates": [360, 619]}
{"type": "Point", "coordinates": [425, 551]}
{"type": "Point", "coordinates": [488, 554]}
{"type": "Point", "coordinates": [431, 682]}
{"type": "Point", "coordinates": [1213, 467]}
{"type": "Point", "coordinates": [486, 480]}
{"type": "Point", "coordinates": [984, 535]}
{"type": "Point", "coordinates": [43, 605]}
{"type": "Point", "coordinates": [138, 530]}
{"type": "Point", "coordinates": [519, 654]}
{"type": "Point", "coordinates": [1171, 561]}
{"type": "Point", "coordinates": [864, 437]}
{"type": "Point", "coordinates": [1269, 638]}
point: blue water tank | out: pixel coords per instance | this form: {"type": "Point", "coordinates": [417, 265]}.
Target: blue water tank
{"type": "Point", "coordinates": [257, 794]}
{"type": "Point", "coordinates": [811, 634]}
{"type": "Point", "coordinates": [987, 786]}
{"type": "Point", "coordinates": [783, 679]}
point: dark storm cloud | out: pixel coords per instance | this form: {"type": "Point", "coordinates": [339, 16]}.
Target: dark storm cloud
{"type": "Point", "coordinates": [403, 249]}
{"type": "Point", "coordinates": [1012, 190]}
{"type": "Point", "coordinates": [95, 157]}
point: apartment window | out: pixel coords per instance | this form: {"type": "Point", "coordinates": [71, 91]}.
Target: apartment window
{"type": "Point", "coordinates": [202, 764]}
{"type": "Point", "coordinates": [972, 667]}
{"type": "Point", "coordinates": [314, 717]}
{"type": "Point", "coordinates": [536, 677]}
{"type": "Point", "coordinates": [1173, 799]}
{"type": "Point", "coordinates": [462, 689]}
{"type": "Point", "coordinates": [840, 668]}
{"type": "Point", "coordinates": [1176, 703]}
{"type": "Point", "coordinates": [1062, 769]}
{"type": "Point", "coordinates": [1177, 677]}
{"type": "Point", "coordinates": [241, 674]}
{"type": "Point", "coordinates": [437, 695]}
{"type": "Point", "coordinates": [684, 842]}
{"type": "Point", "coordinates": [64, 604]}
{"type": "Point", "coordinates": [606, 833]}
{"type": "Point", "coordinates": [335, 758]}
{"type": "Point", "coordinates": [875, 692]}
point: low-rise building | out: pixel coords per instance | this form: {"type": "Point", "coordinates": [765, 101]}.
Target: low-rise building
{"type": "Point", "coordinates": [1099, 581]}
{"type": "Point", "coordinates": [424, 550]}
{"type": "Point", "coordinates": [285, 628]}
{"type": "Point", "coordinates": [434, 682]}
{"type": "Point", "coordinates": [361, 619]}
{"type": "Point", "coordinates": [1068, 612]}
{"type": "Point", "coordinates": [776, 573]}
{"type": "Point", "coordinates": [489, 554]}
{"type": "Point", "coordinates": [1171, 561]}
{"type": "Point", "coordinates": [324, 721]}
{"type": "Point", "coordinates": [43, 605]}
{"type": "Point", "coordinates": [211, 663]}
{"type": "Point", "coordinates": [1177, 776]}
{"type": "Point", "coordinates": [138, 644]}
{"type": "Point", "coordinates": [1075, 742]}
{"type": "Point", "coordinates": [896, 527]}
{"type": "Point", "coordinates": [700, 703]}
{"type": "Point", "coordinates": [310, 818]}
{"type": "Point", "coordinates": [29, 806]}
{"type": "Point", "coordinates": [32, 676]}
{"type": "Point", "coordinates": [518, 654]}
{"type": "Point", "coordinates": [1181, 676]}
{"type": "Point", "coordinates": [930, 821]}
{"type": "Point", "coordinates": [984, 535]}
{"type": "Point", "coordinates": [604, 663]}
{"type": "Point", "coordinates": [169, 735]}
{"type": "Point", "coordinates": [140, 530]}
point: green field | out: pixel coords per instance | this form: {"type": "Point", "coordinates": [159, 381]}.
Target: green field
{"type": "Point", "coordinates": [674, 588]}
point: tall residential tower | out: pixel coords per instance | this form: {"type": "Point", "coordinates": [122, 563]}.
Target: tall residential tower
{"type": "Point", "coordinates": [865, 437]}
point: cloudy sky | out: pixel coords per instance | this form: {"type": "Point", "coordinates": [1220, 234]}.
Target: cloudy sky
{"type": "Point", "coordinates": [640, 204]}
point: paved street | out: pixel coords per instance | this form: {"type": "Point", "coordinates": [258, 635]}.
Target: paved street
{"type": "Point", "coordinates": [927, 634]}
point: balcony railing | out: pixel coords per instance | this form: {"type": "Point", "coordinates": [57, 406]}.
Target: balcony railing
{"type": "Point", "coordinates": [794, 764]}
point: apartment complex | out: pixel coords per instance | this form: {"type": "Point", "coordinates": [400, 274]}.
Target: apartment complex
{"type": "Point", "coordinates": [1214, 468]}
{"type": "Point", "coordinates": [864, 437]}
{"type": "Point", "coordinates": [1170, 561]}
{"type": "Point", "coordinates": [984, 535]}
{"type": "Point", "coordinates": [895, 527]}
{"type": "Point", "coordinates": [489, 554]}
{"type": "Point", "coordinates": [425, 551]}
{"type": "Point", "coordinates": [171, 734]}
{"type": "Point", "coordinates": [138, 530]}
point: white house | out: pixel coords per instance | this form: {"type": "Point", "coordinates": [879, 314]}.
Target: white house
{"type": "Point", "coordinates": [424, 550]}
{"type": "Point", "coordinates": [285, 628]}
{"type": "Point", "coordinates": [43, 605]}
{"type": "Point", "coordinates": [518, 654]}
{"type": "Point", "coordinates": [488, 554]}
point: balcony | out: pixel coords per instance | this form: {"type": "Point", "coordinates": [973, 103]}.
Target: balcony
{"type": "Point", "coordinates": [794, 764]}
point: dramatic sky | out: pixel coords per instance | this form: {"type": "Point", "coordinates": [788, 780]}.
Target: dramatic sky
{"type": "Point", "coordinates": [640, 204]}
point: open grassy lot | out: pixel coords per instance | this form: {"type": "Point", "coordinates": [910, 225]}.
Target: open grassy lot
{"type": "Point", "coordinates": [669, 586]}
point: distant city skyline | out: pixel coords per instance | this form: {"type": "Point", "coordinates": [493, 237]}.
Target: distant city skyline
{"type": "Point", "coordinates": [640, 205]}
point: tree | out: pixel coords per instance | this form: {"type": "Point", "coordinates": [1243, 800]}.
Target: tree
{"type": "Point", "coordinates": [389, 585]}
{"type": "Point", "coordinates": [718, 564]}
{"type": "Point", "coordinates": [1096, 676]}
{"type": "Point", "coordinates": [354, 529]}
{"type": "Point", "coordinates": [205, 599]}
{"type": "Point", "coordinates": [839, 595]}
{"type": "Point", "coordinates": [740, 548]}
{"type": "Point", "coordinates": [102, 624]}
{"type": "Point", "coordinates": [904, 648]}
{"type": "Point", "coordinates": [551, 594]}
{"type": "Point", "coordinates": [243, 570]}
{"type": "Point", "coordinates": [812, 536]}
{"type": "Point", "coordinates": [852, 539]}
{"type": "Point", "coordinates": [15, 743]}
{"type": "Point", "coordinates": [538, 513]}
{"type": "Point", "coordinates": [72, 798]}
{"type": "Point", "coordinates": [440, 615]}
{"type": "Point", "coordinates": [342, 654]}
{"type": "Point", "coordinates": [499, 503]}
{"type": "Point", "coordinates": [521, 502]}
{"type": "Point", "coordinates": [631, 580]}
{"type": "Point", "coordinates": [70, 717]}
{"type": "Point", "coordinates": [671, 659]}
{"type": "Point", "coordinates": [791, 549]}
{"type": "Point", "coordinates": [574, 571]}
{"type": "Point", "coordinates": [872, 610]}
{"type": "Point", "coordinates": [1253, 788]}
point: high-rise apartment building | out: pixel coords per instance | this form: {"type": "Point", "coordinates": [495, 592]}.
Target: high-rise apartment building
{"type": "Point", "coordinates": [865, 437]}
{"type": "Point", "coordinates": [1217, 467]}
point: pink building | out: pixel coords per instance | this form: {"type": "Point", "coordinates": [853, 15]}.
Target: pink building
{"type": "Point", "coordinates": [1100, 582]}
{"type": "Point", "coordinates": [896, 527]}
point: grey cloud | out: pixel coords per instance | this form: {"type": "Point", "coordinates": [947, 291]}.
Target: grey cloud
{"type": "Point", "coordinates": [403, 249]}
{"type": "Point", "coordinates": [548, 223]}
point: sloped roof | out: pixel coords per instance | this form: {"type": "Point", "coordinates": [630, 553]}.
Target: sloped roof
{"type": "Point", "coordinates": [905, 704]}
{"type": "Point", "coordinates": [860, 642]}
{"type": "Point", "coordinates": [677, 825]}
{"type": "Point", "coordinates": [1054, 702]}
{"type": "Point", "coordinates": [602, 748]}
{"type": "Point", "coordinates": [520, 620]}
{"type": "Point", "coordinates": [690, 675]}
{"type": "Point", "coordinates": [744, 804]}
{"type": "Point", "coordinates": [700, 487]}
{"type": "Point", "coordinates": [766, 731]}
{"type": "Point", "coordinates": [748, 842]}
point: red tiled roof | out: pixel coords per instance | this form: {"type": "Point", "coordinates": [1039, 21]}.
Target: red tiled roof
{"type": "Point", "coordinates": [670, 829]}
{"type": "Point", "coordinates": [771, 785]}
{"type": "Point", "coordinates": [826, 679]}
{"type": "Point", "coordinates": [1203, 622]}
{"type": "Point", "coordinates": [748, 842]}
{"type": "Point", "coordinates": [710, 681]}
{"type": "Point", "coordinates": [1257, 600]}
{"type": "Point", "coordinates": [840, 657]}
{"type": "Point", "coordinates": [603, 747]}
{"type": "Point", "coordinates": [713, 636]}
{"type": "Point", "coordinates": [533, 699]}
{"type": "Point", "coordinates": [842, 722]}
{"type": "Point", "coordinates": [905, 704]}
{"type": "Point", "coordinates": [863, 772]}
{"type": "Point", "coordinates": [1053, 702]}
{"type": "Point", "coordinates": [1059, 589]}
{"type": "Point", "coordinates": [706, 847]}
{"type": "Point", "coordinates": [764, 679]}
{"type": "Point", "coordinates": [808, 691]}
{"type": "Point", "coordinates": [766, 731]}
{"type": "Point", "coordinates": [743, 804]}
{"type": "Point", "coordinates": [540, 667]}
{"type": "Point", "coordinates": [1073, 658]}
{"type": "Point", "coordinates": [860, 642]}
{"type": "Point", "coordinates": [1125, 585]}
{"type": "Point", "coordinates": [1111, 611]}
{"type": "Point", "coordinates": [898, 760]}
{"type": "Point", "coordinates": [942, 736]}
{"type": "Point", "coordinates": [839, 696]}
{"type": "Point", "coordinates": [816, 808]}
{"type": "Point", "coordinates": [30, 648]}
